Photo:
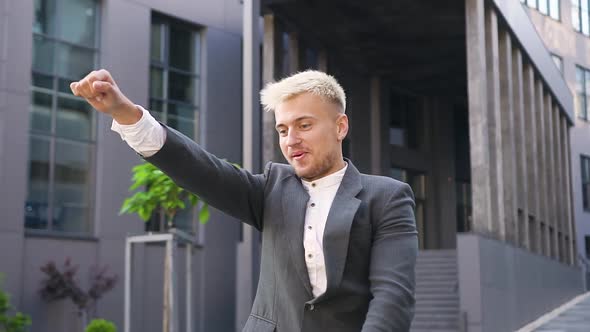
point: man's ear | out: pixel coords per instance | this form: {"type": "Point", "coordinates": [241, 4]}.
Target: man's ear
{"type": "Point", "coordinates": [342, 124]}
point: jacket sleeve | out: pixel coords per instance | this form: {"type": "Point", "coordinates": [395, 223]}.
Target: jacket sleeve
{"type": "Point", "coordinates": [222, 185]}
{"type": "Point", "coordinates": [391, 270]}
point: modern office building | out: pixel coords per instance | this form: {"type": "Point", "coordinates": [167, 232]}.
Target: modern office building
{"type": "Point", "coordinates": [564, 28]}
{"type": "Point", "coordinates": [461, 99]}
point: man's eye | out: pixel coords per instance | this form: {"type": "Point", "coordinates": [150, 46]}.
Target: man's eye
{"type": "Point", "coordinates": [282, 132]}
{"type": "Point", "coordinates": [305, 125]}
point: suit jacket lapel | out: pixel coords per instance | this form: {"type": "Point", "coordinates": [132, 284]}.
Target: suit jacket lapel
{"type": "Point", "coordinates": [294, 203]}
{"type": "Point", "coordinates": [338, 225]}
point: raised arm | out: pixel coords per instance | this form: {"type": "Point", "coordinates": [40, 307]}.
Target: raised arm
{"type": "Point", "coordinates": [234, 191]}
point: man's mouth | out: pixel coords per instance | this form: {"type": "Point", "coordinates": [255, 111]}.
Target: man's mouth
{"type": "Point", "coordinates": [298, 155]}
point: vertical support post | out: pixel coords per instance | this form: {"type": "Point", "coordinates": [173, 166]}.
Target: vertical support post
{"type": "Point", "coordinates": [250, 116]}
{"type": "Point", "coordinates": [478, 116]}
{"type": "Point", "coordinates": [532, 162]}
{"type": "Point", "coordinates": [271, 49]}
{"type": "Point", "coordinates": [189, 288]}
{"type": "Point", "coordinates": [521, 149]}
{"type": "Point", "coordinates": [559, 183]}
{"type": "Point", "coordinates": [568, 191]}
{"type": "Point", "coordinates": [542, 168]}
{"type": "Point", "coordinates": [508, 137]}
{"type": "Point", "coordinates": [498, 215]}
{"type": "Point", "coordinates": [127, 316]}
{"type": "Point", "coordinates": [293, 52]}
{"type": "Point", "coordinates": [551, 189]}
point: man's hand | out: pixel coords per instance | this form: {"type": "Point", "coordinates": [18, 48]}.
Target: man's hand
{"type": "Point", "coordinates": [100, 90]}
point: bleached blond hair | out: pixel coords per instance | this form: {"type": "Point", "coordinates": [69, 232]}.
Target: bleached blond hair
{"type": "Point", "coordinates": [312, 81]}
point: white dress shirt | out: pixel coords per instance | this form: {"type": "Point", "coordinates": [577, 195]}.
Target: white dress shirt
{"type": "Point", "coordinates": [147, 137]}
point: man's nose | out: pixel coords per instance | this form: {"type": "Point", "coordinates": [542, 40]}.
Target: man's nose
{"type": "Point", "coordinates": [293, 138]}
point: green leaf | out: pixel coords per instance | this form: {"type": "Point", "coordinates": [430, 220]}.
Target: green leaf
{"type": "Point", "coordinates": [204, 214]}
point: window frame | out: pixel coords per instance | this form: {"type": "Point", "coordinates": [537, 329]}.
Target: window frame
{"type": "Point", "coordinates": [53, 137]}
{"type": "Point", "coordinates": [577, 5]}
{"type": "Point", "coordinates": [585, 179]}
{"type": "Point", "coordinates": [535, 4]}
{"type": "Point", "coordinates": [583, 114]}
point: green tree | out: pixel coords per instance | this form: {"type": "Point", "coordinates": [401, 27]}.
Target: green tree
{"type": "Point", "coordinates": [161, 195]}
{"type": "Point", "coordinates": [11, 323]}
{"type": "Point", "coordinates": [101, 325]}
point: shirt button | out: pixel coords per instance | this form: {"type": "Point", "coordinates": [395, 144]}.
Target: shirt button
{"type": "Point", "coordinates": [312, 204]}
{"type": "Point", "coordinates": [309, 227]}
{"type": "Point", "coordinates": [313, 185]}
{"type": "Point", "coordinates": [310, 256]}
{"type": "Point", "coordinates": [311, 307]}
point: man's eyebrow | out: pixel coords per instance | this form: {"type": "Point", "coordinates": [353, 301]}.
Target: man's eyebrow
{"type": "Point", "coordinates": [304, 117]}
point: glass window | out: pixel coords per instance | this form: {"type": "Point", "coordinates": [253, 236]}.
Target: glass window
{"type": "Point", "coordinates": [62, 126]}
{"type": "Point", "coordinates": [174, 87]}
{"type": "Point", "coordinates": [581, 16]}
{"type": "Point", "coordinates": [554, 10]}
{"type": "Point", "coordinates": [582, 92]}
{"type": "Point", "coordinates": [558, 62]}
{"type": "Point", "coordinates": [174, 74]}
{"type": "Point", "coordinates": [585, 170]}
{"type": "Point", "coordinates": [543, 7]}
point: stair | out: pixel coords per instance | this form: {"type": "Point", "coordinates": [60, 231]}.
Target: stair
{"type": "Point", "coordinates": [437, 297]}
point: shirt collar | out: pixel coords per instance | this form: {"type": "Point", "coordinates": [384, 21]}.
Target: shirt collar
{"type": "Point", "coordinates": [327, 181]}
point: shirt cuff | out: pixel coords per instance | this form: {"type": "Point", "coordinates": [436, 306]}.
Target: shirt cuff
{"type": "Point", "coordinates": [146, 136]}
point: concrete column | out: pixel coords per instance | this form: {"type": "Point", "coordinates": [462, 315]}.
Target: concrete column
{"type": "Point", "coordinates": [498, 213]}
{"type": "Point", "coordinates": [376, 125]}
{"type": "Point", "coordinates": [521, 150]}
{"type": "Point", "coordinates": [551, 189]}
{"type": "Point", "coordinates": [532, 157]}
{"type": "Point", "coordinates": [566, 148]}
{"type": "Point", "coordinates": [508, 137]}
{"type": "Point", "coordinates": [247, 250]}
{"type": "Point", "coordinates": [542, 166]}
{"type": "Point", "coordinates": [271, 49]}
{"type": "Point", "coordinates": [293, 52]}
{"type": "Point", "coordinates": [478, 116]}
{"type": "Point", "coordinates": [559, 209]}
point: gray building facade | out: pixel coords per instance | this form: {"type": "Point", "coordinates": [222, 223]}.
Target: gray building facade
{"type": "Point", "coordinates": [566, 35]}
{"type": "Point", "coordinates": [460, 99]}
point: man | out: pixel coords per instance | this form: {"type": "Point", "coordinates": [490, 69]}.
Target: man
{"type": "Point", "coordinates": [338, 247]}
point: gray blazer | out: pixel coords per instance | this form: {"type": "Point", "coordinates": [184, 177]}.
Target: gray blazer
{"type": "Point", "coordinates": [370, 242]}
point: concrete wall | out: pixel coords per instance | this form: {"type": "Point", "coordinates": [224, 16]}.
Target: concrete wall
{"type": "Point", "coordinates": [502, 287]}
{"type": "Point", "coordinates": [124, 50]}
{"type": "Point", "coordinates": [560, 38]}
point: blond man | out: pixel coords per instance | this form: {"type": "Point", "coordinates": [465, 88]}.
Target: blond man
{"type": "Point", "coordinates": [338, 247]}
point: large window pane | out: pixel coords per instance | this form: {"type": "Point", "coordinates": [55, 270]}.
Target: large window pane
{"type": "Point", "coordinates": [43, 54]}
{"type": "Point", "coordinates": [72, 187]}
{"type": "Point", "coordinates": [554, 11]}
{"type": "Point", "coordinates": [74, 62]}
{"type": "Point", "coordinates": [156, 83]}
{"type": "Point", "coordinates": [544, 7]}
{"type": "Point", "coordinates": [37, 203]}
{"type": "Point", "coordinates": [78, 22]}
{"type": "Point", "coordinates": [183, 110]}
{"type": "Point", "coordinates": [40, 114]}
{"type": "Point", "coordinates": [182, 49]}
{"type": "Point", "coordinates": [185, 126]}
{"type": "Point", "coordinates": [157, 43]}
{"type": "Point", "coordinates": [576, 17]}
{"type": "Point", "coordinates": [42, 80]}
{"type": "Point", "coordinates": [74, 119]}
{"type": "Point", "coordinates": [181, 87]}
{"type": "Point", "coordinates": [44, 17]}
{"type": "Point", "coordinates": [585, 27]}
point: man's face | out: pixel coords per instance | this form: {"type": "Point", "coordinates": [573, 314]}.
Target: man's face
{"type": "Point", "coordinates": [311, 130]}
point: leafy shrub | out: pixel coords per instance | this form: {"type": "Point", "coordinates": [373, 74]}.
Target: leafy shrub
{"type": "Point", "coordinates": [101, 325]}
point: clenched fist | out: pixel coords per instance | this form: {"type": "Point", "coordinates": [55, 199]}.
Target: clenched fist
{"type": "Point", "coordinates": [100, 90]}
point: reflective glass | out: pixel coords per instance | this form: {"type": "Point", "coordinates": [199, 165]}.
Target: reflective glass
{"type": "Point", "coordinates": [74, 119]}
{"type": "Point", "coordinates": [37, 203]}
{"type": "Point", "coordinates": [44, 22]}
{"type": "Point", "coordinates": [42, 80]}
{"type": "Point", "coordinates": [183, 110]}
{"type": "Point", "coordinates": [576, 18]}
{"type": "Point", "coordinates": [78, 21]}
{"type": "Point", "coordinates": [181, 87]}
{"type": "Point", "coordinates": [157, 43]}
{"type": "Point", "coordinates": [156, 83]}
{"type": "Point", "coordinates": [554, 10]}
{"type": "Point", "coordinates": [185, 126]}
{"type": "Point", "coordinates": [182, 49]}
{"type": "Point", "coordinates": [74, 62]}
{"type": "Point", "coordinates": [40, 114]}
{"type": "Point", "coordinates": [585, 27]}
{"type": "Point", "coordinates": [43, 50]}
{"type": "Point", "coordinates": [72, 187]}
{"type": "Point", "coordinates": [544, 7]}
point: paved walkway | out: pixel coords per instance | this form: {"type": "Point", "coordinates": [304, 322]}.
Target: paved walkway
{"type": "Point", "coordinates": [573, 316]}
